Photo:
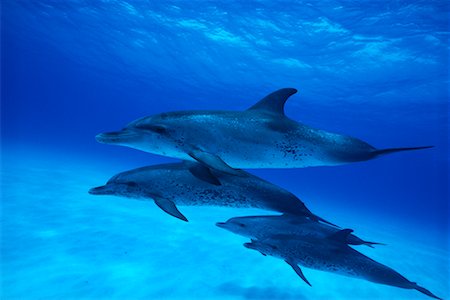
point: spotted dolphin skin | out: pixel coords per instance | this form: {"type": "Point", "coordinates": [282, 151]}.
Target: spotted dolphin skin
{"type": "Point", "coordinates": [332, 257]}
{"type": "Point", "coordinates": [264, 227]}
{"type": "Point", "coordinates": [192, 184]}
{"type": "Point", "coordinates": [330, 254]}
{"type": "Point", "coordinates": [260, 137]}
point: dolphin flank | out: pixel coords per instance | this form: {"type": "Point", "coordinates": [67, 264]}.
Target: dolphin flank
{"type": "Point", "coordinates": [193, 184]}
{"type": "Point", "coordinates": [333, 257]}
{"type": "Point", "coordinates": [259, 137]}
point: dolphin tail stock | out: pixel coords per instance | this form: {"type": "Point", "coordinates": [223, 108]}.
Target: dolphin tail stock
{"type": "Point", "coordinates": [393, 150]}
{"type": "Point", "coordinates": [425, 291]}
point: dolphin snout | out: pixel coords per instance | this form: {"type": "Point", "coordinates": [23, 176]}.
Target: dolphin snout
{"type": "Point", "coordinates": [115, 137]}
{"type": "Point", "coordinates": [249, 245]}
{"type": "Point", "coordinates": [221, 224]}
{"type": "Point", "coordinates": [100, 190]}
{"type": "Point", "coordinates": [107, 137]}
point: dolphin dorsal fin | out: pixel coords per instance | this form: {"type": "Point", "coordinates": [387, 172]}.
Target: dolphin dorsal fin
{"type": "Point", "coordinates": [341, 235]}
{"type": "Point", "coordinates": [275, 101]}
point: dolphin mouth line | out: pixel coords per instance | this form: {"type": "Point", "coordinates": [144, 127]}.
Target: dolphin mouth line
{"type": "Point", "coordinates": [115, 137]}
{"type": "Point", "coordinates": [221, 224]}
{"type": "Point", "coordinates": [248, 245]}
{"type": "Point", "coordinates": [99, 190]}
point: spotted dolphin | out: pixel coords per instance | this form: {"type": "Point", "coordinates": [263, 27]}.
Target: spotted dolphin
{"type": "Point", "coordinates": [193, 184]}
{"type": "Point", "coordinates": [263, 227]}
{"type": "Point", "coordinates": [259, 137]}
{"type": "Point", "coordinates": [332, 256]}
{"type": "Point", "coordinates": [314, 250]}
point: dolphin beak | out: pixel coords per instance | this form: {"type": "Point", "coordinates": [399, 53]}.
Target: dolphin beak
{"type": "Point", "coordinates": [221, 224]}
{"type": "Point", "coordinates": [248, 245]}
{"type": "Point", "coordinates": [100, 190]}
{"type": "Point", "coordinates": [116, 137]}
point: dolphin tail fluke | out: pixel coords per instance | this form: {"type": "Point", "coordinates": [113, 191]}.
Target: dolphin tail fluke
{"type": "Point", "coordinates": [426, 292]}
{"type": "Point", "coordinates": [393, 150]}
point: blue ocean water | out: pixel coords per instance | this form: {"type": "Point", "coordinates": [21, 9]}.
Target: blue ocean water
{"type": "Point", "coordinates": [376, 70]}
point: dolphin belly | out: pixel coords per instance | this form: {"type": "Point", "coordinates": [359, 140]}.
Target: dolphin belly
{"type": "Point", "coordinates": [352, 263]}
{"type": "Point", "coordinates": [300, 148]}
{"type": "Point", "coordinates": [212, 198]}
{"type": "Point", "coordinates": [193, 192]}
{"type": "Point", "coordinates": [278, 156]}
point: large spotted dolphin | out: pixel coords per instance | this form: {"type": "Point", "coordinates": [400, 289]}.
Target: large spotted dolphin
{"type": "Point", "coordinates": [263, 227]}
{"type": "Point", "coordinates": [193, 184]}
{"type": "Point", "coordinates": [330, 254]}
{"type": "Point", "coordinates": [260, 137]}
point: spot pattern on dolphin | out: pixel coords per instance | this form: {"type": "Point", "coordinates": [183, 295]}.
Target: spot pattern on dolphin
{"type": "Point", "coordinates": [320, 255]}
{"type": "Point", "coordinates": [223, 142]}
{"type": "Point", "coordinates": [170, 185]}
{"type": "Point", "coordinates": [259, 137]}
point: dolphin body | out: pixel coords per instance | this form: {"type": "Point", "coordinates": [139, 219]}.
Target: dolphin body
{"type": "Point", "coordinates": [193, 184]}
{"type": "Point", "coordinates": [333, 257]}
{"type": "Point", "coordinates": [260, 137]}
{"type": "Point", "coordinates": [264, 227]}
{"type": "Point", "coordinates": [330, 254]}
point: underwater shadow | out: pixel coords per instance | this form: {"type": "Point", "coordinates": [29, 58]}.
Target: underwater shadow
{"type": "Point", "coordinates": [257, 292]}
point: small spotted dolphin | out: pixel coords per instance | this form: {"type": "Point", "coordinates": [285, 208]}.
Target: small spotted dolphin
{"type": "Point", "coordinates": [263, 227]}
{"type": "Point", "coordinates": [332, 256]}
{"type": "Point", "coordinates": [260, 137]}
{"type": "Point", "coordinates": [315, 250]}
{"type": "Point", "coordinates": [193, 184]}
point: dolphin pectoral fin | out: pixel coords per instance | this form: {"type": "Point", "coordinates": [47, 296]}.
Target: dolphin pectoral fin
{"type": "Point", "coordinates": [370, 244]}
{"type": "Point", "coordinates": [214, 162]}
{"type": "Point", "coordinates": [274, 102]}
{"type": "Point", "coordinates": [341, 235]}
{"type": "Point", "coordinates": [317, 218]}
{"type": "Point", "coordinates": [297, 270]}
{"type": "Point", "coordinates": [251, 246]}
{"type": "Point", "coordinates": [169, 207]}
{"type": "Point", "coordinates": [203, 173]}
{"type": "Point", "coordinates": [426, 292]}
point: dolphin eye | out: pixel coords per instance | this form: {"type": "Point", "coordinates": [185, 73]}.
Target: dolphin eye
{"type": "Point", "coordinates": [242, 225]}
{"type": "Point", "coordinates": [132, 184]}
{"type": "Point", "coordinates": [161, 129]}
{"type": "Point", "coordinates": [157, 128]}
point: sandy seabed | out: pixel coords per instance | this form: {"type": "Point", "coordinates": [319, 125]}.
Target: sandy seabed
{"type": "Point", "coordinates": [59, 242]}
